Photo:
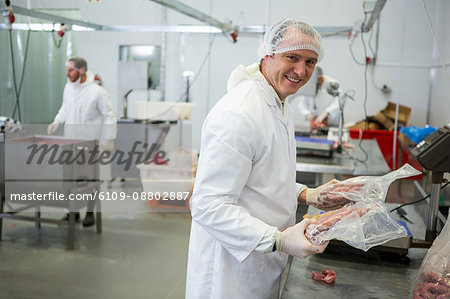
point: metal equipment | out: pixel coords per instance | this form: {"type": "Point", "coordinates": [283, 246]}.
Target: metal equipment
{"type": "Point", "coordinates": [10, 127]}
{"type": "Point", "coordinates": [141, 136]}
{"type": "Point", "coordinates": [332, 87]}
{"type": "Point", "coordinates": [433, 154]}
{"type": "Point", "coordinates": [213, 26]}
{"type": "Point", "coordinates": [36, 169]}
{"type": "Point", "coordinates": [314, 146]}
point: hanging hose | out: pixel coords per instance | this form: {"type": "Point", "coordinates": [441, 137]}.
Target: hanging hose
{"type": "Point", "coordinates": [17, 105]}
{"type": "Point", "coordinates": [18, 90]}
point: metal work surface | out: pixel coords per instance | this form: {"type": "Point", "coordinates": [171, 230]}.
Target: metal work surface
{"type": "Point", "coordinates": [347, 163]}
{"type": "Point", "coordinates": [358, 275]}
{"type": "Point", "coordinates": [33, 179]}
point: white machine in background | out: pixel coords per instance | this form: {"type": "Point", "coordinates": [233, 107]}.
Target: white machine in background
{"type": "Point", "coordinates": [138, 77]}
{"type": "Point", "coordinates": [132, 76]}
{"type": "Point", "coordinates": [333, 134]}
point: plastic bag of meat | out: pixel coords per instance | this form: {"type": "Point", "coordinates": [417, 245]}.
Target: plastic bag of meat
{"type": "Point", "coordinates": [361, 225]}
{"type": "Point", "coordinates": [363, 188]}
{"type": "Point", "coordinates": [433, 279]}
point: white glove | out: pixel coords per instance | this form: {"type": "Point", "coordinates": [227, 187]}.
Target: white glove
{"type": "Point", "coordinates": [109, 145]}
{"type": "Point", "coordinates": [292, 241]}
{"type": "Point", "coordinates": [322, 116]}
{"type": "Point", "coordinates": [52, 128]}
{"type": "Point", "coordinates": [312, 197]}
{"type": "Point", "coordinates": [309, 117]}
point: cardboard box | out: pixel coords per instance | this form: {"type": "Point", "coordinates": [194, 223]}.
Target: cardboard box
{"type": "Point", "coordinates": [385, 121]}
{"type": "Point", "coordinates": [403, 113]}
{"type": "Point", "coordinates": [370, 124]}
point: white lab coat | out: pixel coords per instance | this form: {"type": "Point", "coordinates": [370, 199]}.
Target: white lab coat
{"type": "Point", "coordinates": [245, 185]}
{"type": "Point", "coordinates": [319, 103]}
{"type": "Point", "coordinates": [86, 111]}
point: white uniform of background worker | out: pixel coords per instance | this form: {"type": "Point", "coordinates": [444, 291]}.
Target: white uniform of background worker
{"type": "Point", "coordinates": [245, 190]}
{"type": "Point", "coordinates": [86, 112]}
{"type": "Point", "coordinates": [322, 109]}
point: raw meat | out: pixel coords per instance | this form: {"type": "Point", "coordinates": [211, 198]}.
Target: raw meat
{"type": "Point", "coordinates": [434, 278]}
{"type": "Point", "coordinates": [327, 276]}
{"type": "Point", "coordinates": [315, 230]}
{"type": "Point", "coordinates": [337, 195]}
{"type": "Point", "coordinates": [432, 286]}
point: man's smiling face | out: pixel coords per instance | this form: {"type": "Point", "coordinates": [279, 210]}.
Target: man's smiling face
{"type": "Point", "coordinates": [288, 71]}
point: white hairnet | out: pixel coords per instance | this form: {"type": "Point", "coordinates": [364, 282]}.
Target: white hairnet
{"type": "Point", "coordinates": [288, 35]}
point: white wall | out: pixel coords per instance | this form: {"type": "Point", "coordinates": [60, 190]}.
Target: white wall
{"type": "Point", "coordinates": [440, 91]}
{"type": "Point", "coordinates": [405, 57]}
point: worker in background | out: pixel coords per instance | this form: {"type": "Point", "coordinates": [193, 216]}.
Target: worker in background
{"type": "Point", "coordinates": [321, 110]}
{"type": "Point", "coordinates": [245, 195]}
{"type": "Point", "coordinates": [87, 114]}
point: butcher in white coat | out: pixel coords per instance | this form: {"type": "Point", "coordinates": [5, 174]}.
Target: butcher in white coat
{"type": "Point", "coordinates": [86, 113]}
{"type": "Point", "coordinates": [245, 195]}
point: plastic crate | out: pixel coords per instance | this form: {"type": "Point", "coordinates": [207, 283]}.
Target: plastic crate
{"type": "Point", "coordinates": [168, 188]}
{"type": "Point", "coordinates": [153, 171]}
{"type": "Point", "coordinates": [385, 143]}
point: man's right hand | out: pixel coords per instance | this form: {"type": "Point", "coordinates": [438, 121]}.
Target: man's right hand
{"type": "Point", "coordinates": [322, 118]}
{"type": "Point", "coordinates": [292, 241]}
{"type": "Point", "coordinates": [52, 128]}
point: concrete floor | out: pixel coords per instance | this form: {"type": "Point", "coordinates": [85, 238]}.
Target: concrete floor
{"type": "Point", "coordinates": [138, 255]}
{"type": "Point", "coordinates": [141, 254]}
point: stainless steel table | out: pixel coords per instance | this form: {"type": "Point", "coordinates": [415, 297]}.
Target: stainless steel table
{"type": "Point", "coordinates": [364, 276]}
{"type": "Point", "coordinates": [26, 175]}
{"type": "Point", "coordinates": [347, 162]}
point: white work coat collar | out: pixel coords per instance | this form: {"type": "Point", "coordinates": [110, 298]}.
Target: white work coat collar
{"type": "Point", "coordinates": [252, 72]}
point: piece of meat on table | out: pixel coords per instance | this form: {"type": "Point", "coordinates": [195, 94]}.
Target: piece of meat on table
{"type": "Point", "coordinates": [327, 276]}
{"type": "Point", "coordinates": [317, 276]}
{"type": "Point", "coordinates": [314, 230]}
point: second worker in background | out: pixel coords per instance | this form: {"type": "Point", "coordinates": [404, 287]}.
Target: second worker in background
{"type": "Point", "coordinates": [86, 113]}
{"type": "Point", "coordinates": [322, 109]}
